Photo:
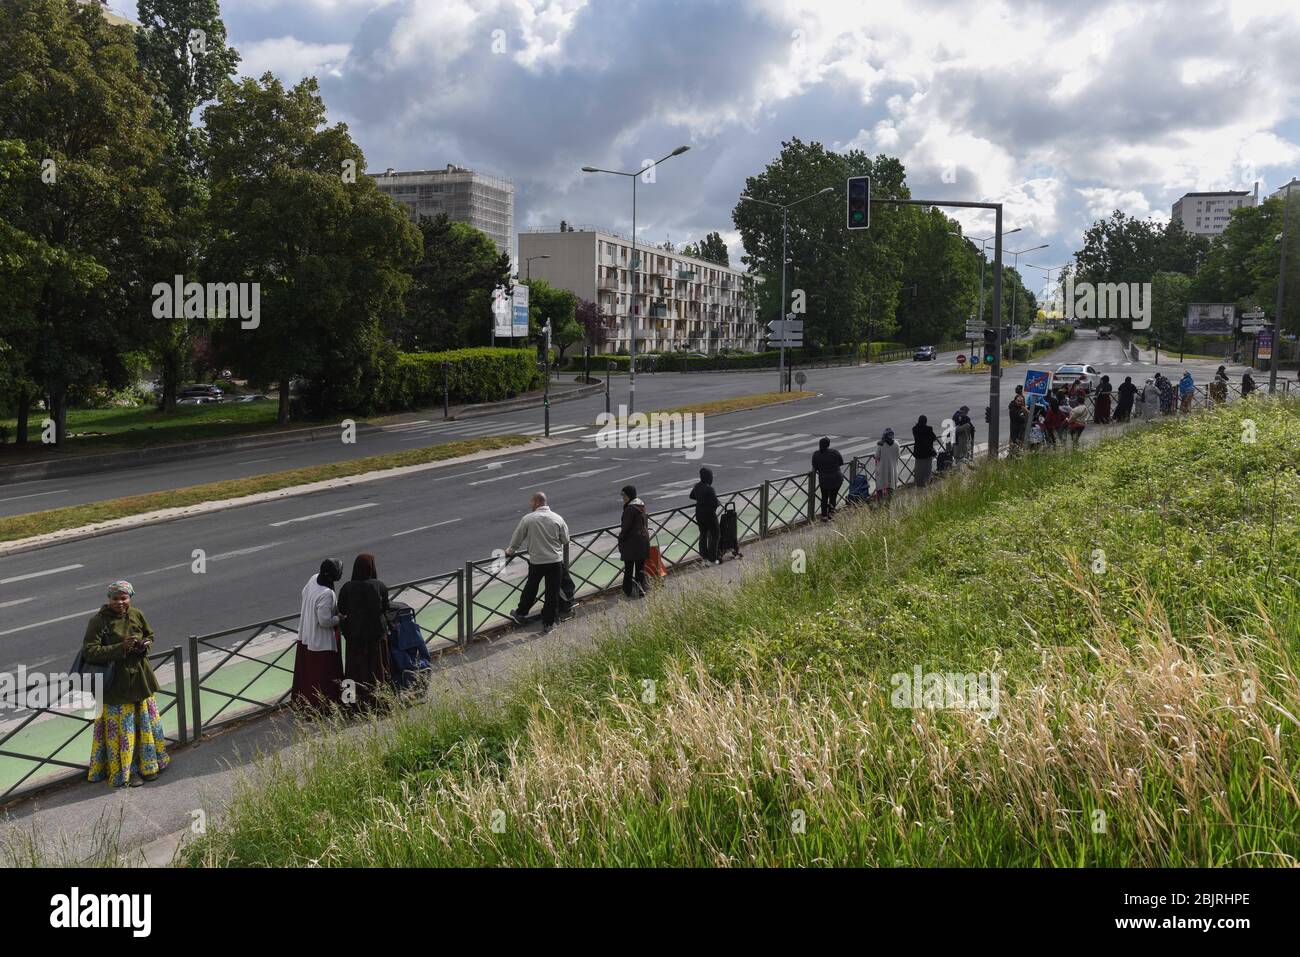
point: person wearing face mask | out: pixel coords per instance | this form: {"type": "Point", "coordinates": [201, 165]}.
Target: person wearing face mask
{"type": "Point", "coordinates": [128, 745]}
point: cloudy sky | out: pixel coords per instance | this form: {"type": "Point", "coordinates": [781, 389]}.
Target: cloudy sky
{"type": "Point", "coordinates": [1063, 111]}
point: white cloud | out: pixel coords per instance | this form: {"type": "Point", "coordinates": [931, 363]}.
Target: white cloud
{"type": "Point", "coordinates": [290, 58]}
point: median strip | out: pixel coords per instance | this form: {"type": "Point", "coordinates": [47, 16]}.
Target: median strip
{"type": "Point", "coordinates": [738, 403]}
{"type": "Point", "coordinates": [20, 532]}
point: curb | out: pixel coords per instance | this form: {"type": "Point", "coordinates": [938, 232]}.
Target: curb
{"type": "Point", "coordinates": [135, 458]}
{"type": "Point", "coordinates": [164, 515]}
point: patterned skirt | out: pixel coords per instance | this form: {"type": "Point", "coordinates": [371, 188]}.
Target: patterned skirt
{"type": "Point", "coordinates": [128, 739]}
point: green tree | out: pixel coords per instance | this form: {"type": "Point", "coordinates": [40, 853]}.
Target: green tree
{"type": "Point", "coordinates": [72, 93]}
{"type": "Point", "coordinates": [595, 326]}
{"type": "Point", "coordinates": [1170, 294]}
{"type": "Point", "coordinates": [449, 304]}
{"type": "Point", "coordinates": [547, 303]}
{"type": "Point", "coordinates": [945, 274]}
{"type": "Point", "coordinates": [711, 249]}
{"type": "Point", "coordinates": [328, 250]}
{"type": "Point", "coordinates": [181, 46]}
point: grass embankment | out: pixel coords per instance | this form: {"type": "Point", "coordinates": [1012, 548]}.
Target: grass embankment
{"type": "Point", "coordinates": [1139, 598]}
{"type": "Point", "coordinates": [735, 404]}
{"type": "Point", "coordinates": [75, 516]}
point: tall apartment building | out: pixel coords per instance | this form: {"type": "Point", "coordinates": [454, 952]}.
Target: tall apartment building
{"type": "Point", "coordinates": [1207, 214]}
{"type": "Point", "coordinates": [679, 301]}
{"type": "Point", "coordinates": [1288, 189]}
{"type": "Point", "coordinates": [485, 202]}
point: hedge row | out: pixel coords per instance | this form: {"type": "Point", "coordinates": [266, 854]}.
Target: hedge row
{"type": "Point", "coordinates": [476, 375]}
{"type": "Point", "coordinates": [1022, 349]}
{"type": "Point", "coordinates": [735, 360]}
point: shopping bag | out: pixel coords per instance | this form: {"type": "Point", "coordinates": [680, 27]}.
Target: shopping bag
{"type": "Point", "coordinates": [654, 565]}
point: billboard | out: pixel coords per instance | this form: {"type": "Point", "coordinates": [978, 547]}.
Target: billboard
{"type": "Point", "coordinates": [1211, 318]}
{"type": "Point", "coordinates": [520, 311]}
{"type": "Point", "coordinates": [502, 325]}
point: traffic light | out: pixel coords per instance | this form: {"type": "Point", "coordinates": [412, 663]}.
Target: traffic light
{"type": "Point", "coordinates": [990, 346]}
{"type": "Point", "coordinates": [859, 202]}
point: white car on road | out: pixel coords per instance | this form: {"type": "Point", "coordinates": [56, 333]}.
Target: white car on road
{"type": "Point", "coordinates": [1066, 374]}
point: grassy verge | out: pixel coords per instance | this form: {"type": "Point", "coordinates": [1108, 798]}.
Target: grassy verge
{"type": "Point", "coordinates": [735, 404]}
{"type": "Point", "coordinates": [74, 516]}
{"type": "Point", "coordinates": [1147, 712]}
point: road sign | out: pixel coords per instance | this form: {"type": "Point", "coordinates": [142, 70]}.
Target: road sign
{"type": "Point", "coordinates": [961, 359]}
{"type": "Point", "coordinates": [800, 378]}
{"type": "Point", "coordinates": [1037, 381]}
{"type": "Point", "coordinates": [1264, 345]}
{"type": "Point", "coordinates": [787, 332]}
{"type": "Point", "coordinates": [1257, 314]}
{"type": "Point", "coordinates": [520, 311]}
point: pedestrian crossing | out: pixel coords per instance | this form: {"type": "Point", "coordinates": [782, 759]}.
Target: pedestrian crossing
{"type": "Point", "coordinates": [741, 439]}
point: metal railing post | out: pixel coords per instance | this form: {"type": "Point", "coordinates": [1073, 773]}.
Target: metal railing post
{"type": "Point", "coordinates": [763, 495]}
{"type": "Point", "coordinates": [812, 496]}
{"type": "Point", "coordinates": [853, 469]}
{"type": "Point", "coordinates": [178, 669]}
{"type": "Point", "coordinates": [196, 709]}
{"type": "Point", "coordinates": [469, 600]}
{"type": "Point", "coordinates": [460, 607]}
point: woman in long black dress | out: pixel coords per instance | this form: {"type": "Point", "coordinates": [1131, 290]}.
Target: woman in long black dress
{"type": "Point", "coordinates": [363, 601]}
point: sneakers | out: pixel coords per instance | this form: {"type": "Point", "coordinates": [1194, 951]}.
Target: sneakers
{"type": "Point", "coordinates": [568, 615]}
{"type": "Point", "coordinates": [517, 618]}
{"type": "Point", "coordinates": [547, 629]}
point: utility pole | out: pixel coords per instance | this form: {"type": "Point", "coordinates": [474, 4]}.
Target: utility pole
{"type": "Point", "coordinates": [1281, 288]}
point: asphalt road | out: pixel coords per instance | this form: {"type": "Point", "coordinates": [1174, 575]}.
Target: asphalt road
{"type": "Point", "coordinates": [259, 556]}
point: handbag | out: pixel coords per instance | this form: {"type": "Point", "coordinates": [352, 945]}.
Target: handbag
{"type": "Point", "coordinates": [89, 670]}
{"type": "Point", "coordinates": [654, 565]}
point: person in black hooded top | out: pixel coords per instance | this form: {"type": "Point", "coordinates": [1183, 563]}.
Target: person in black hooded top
{"type": "Point", "coordinates": [706, 516]}
{"type": "Point", "coordinates": [827, 462]}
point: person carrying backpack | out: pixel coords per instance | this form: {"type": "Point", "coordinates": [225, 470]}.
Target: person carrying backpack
{"type": "Point", "coordinates": [827, 462]}
{"type": "Point", "coordinates": [634, 543]}
{"type": "Point", "coordinates": [706, 516]}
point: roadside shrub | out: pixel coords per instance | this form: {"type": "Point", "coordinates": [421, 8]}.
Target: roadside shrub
{"type": "Point", "coordinates": [476, 375]}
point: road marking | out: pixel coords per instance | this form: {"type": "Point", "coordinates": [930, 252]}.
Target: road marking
{"type": "Point", "coordinates": [52, 621]}
{"type": "Point", "coordinates": [252, 461]}
{"type": "Point", "coordinates": [15, 498]}
{"type": "Point", "coordinates": [409, 531]}
{"type": "Point", "coordinates": [337, 511]}
{"type": "Point", "coordinates": [819, 411]}
{"type": "Point", "coordinates": [16, 601]}
{"type": "Point", "coordinates": [567, 428]}
{"type": "Point", "coordinates": [767, 441]}
{"type": "Point", "coordinates": [498, 478]}
{"type": "Point", "coordinates": [51, 571]}
{"type": "Point", "coordinates": [631, 477]}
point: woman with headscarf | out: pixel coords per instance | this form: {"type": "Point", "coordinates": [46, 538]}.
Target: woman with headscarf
{"type": "Point", "coordinates": [886, 465]}
{"type": "Point", "coordinates": [128, 746]}
{"type": "Point", "coordinates": [1166, 390]}
{"type": "Point", "coordinates": [1219, 387]}
{"type": "Point", "coordinates": [1101, 411]}
{"type": "Point", "coordinates": [965, 445]}
{"type": "Point", "coordinates": [1247, 384]}
{"type": "Point", "coordinates": [706, 516]}
{"type": "Point", "coordinates": [318, 666]}
{"type": "Point", "coordinates": [1124, 407]}
{"type": "Point", "coordinates": [363, 607]}
{"type": "Point", "coordinates": [633, 543]}
{"type": "Point", "coordinates": [1186, 391]}
{"type": "Point", "coordinates": [923, 442]}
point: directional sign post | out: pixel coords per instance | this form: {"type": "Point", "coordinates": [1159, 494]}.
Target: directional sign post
{"type": "Point", "coordinates": [782, 333]}
{"type": "Point", "coordinates": [1037, 381]}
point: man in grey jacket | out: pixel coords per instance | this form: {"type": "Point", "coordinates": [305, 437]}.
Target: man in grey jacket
{"type": "Point", "coordinates": [543, 534]}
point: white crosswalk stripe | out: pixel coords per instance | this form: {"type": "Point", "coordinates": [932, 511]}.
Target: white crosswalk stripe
{"type": "Point", "coordinates": [736, 439]}
{"type": "Point", "coordinates": [762, 442]}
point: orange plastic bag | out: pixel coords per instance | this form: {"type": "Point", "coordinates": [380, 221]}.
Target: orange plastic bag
{"type": "Point", "coordinates": [654, 565]}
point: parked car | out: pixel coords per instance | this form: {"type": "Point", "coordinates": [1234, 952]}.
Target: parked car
{"type": "Point", "coordinates": [1103, 332]}
{"type": "Point", "coordinates": [1066, 374]}
{"type": "Point", "coordinates": [924, 354]}
{"type": "Point", "coordinates": [210, 392]}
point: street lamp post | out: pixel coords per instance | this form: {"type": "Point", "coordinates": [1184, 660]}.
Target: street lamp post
{"type": "Point", "coordinates": [1281, 286]}
{"type": "Point", "coordinates": [631, 383]}
{"type": "Point", "coordinates": [984, 246]}
{"type": "Point", "coordinates": [1016, 299]}
{"type": "Point", "coordinates": [785, 224]}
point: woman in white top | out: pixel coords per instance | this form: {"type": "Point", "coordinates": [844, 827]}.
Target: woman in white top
{"type": "Point", "coordinates": [886, 465]}
{"type": "Point", "coordinates": [318, 667]}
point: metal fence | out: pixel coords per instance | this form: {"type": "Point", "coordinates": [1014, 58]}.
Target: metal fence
{"type": "Point", "coordinates": [239, 673]}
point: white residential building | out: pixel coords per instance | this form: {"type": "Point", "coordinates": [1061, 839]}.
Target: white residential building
{"type": "Point", "coordinates": [1288, 189]}
{"type": "Point", "coordinates": [680, 302]}
{"type": "Point", "coordinates": [1207, 214]}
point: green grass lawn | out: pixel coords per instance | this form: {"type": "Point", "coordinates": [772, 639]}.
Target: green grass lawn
{"type": "Point", "coordinates": [1138, 600]}
{"type": "Point", "coordinates": [106, 430]}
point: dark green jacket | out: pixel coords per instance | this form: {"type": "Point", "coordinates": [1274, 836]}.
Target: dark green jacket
{"type": "Point", "coordinates": [133, 677]}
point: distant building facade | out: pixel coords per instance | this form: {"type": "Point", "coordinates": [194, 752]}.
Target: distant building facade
{"type": "Point", "coordinates": [680, 302]}
{"type": "Point", "coordinates": [1207, 214]}
{"type": "Point", "coordinates": [1288, 189]}
{"type": "Point", "coordinates": [485, 202]}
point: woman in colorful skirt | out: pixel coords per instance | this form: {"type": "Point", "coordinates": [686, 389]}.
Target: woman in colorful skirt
{"type": "Point", "coordinates": [318, 665]}
{"type": "Point", "coordinates": [129, 747]}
